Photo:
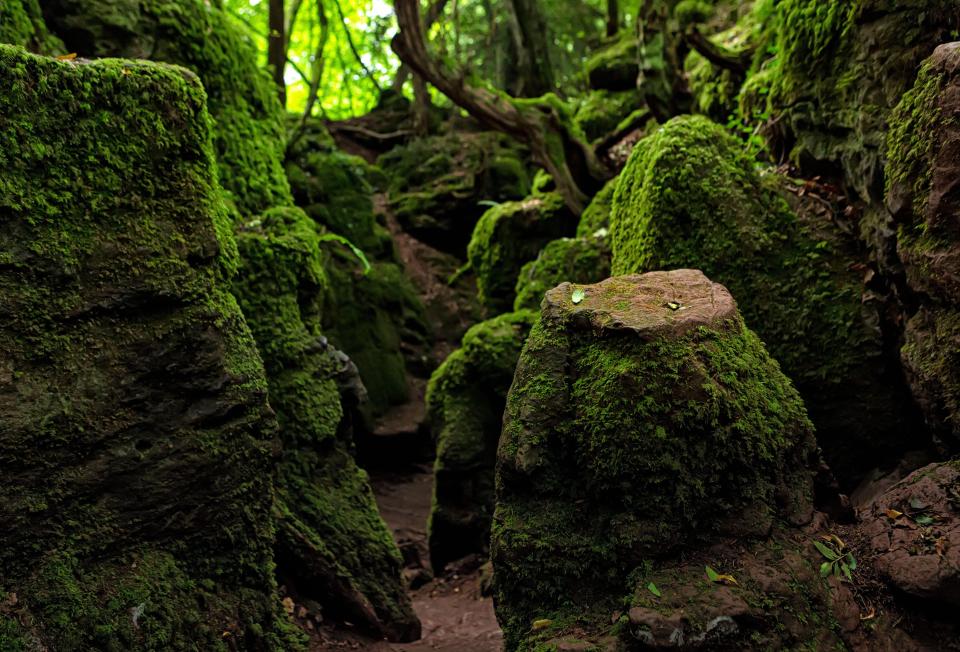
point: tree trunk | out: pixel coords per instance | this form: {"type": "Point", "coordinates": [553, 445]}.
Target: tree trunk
{"type": "Point", "coordinates": [533, 52]}
{"type": "Point", "coordinates": [277, 46]}
{"type": "Point", "coordinates": [542, 125]}
{"type": "Point", "coordinates": [613, 17]}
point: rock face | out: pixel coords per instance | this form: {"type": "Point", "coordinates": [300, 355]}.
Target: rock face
{"type": "Point", "coordinates": [918, 551]}
{"type": "Point", "coordinates": [644, 418]}
{"type": "Point", "coordinates": [136, 439]}
{"type": "Point", "coordinates": [21, 23]}
{"type": "Point", "coordinates": [510, 235]}
{"type": "Point", "coordinates": [690, 196]}
{"type": "Point", "coordinates": [465, 401]}
{"type": "Point", "coordinates": [923, 196]}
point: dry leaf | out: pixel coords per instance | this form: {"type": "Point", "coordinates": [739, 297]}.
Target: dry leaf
{"type": "Point", "coordinates": [893, 514]}
{"type": "Point", "coordinates": [541, 624]}
{"type": "Point", "coordinates": [67, 57]}
{"type": "Point", "coordinates": [288, 604]}
{"type": "Point", "coordinates": [870, 615]}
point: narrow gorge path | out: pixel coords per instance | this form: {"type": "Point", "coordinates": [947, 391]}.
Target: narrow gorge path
{"type": "Point", "coordinates": [455, 616]}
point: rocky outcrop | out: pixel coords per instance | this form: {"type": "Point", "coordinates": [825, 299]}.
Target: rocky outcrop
{"type": "Point", "coordinates": [510, 235]}
{"type": "Point", "coordinates": [465, 400]}
{"type": "Point", "coordinates": [913, 534]}
{"type": "Point", "coordinates": [21, 23]}
{"type": "Point", "coordinates": [441, 185]}
{"type": "Point", "coordinates": [691, 196]}
{"type": "Point", "coordinates": [923, 197]}
{"type": "Point", "coordinates": [644, 419]}
{"type": "Point", "coordinates": [136, 440]}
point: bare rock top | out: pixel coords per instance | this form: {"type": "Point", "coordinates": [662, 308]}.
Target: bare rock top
{"type": "Point", "coordinates": [650, 305]}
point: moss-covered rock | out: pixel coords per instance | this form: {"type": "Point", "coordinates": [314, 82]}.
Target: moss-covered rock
{"type": "Point", "coordinates": [437, 184]}
{"type": "Point", "coordinates": [614, 66]}
{"type": "Point", "coordinates": [644, 418]}
{"type": "Point", "coordinates": [922, 175]}
{"type": "Point", "coordinates": [575, 260]}
{"type": "Point", "coordinates": [465, 400]}
{"type": "Point", "coordinates": [137, 441]}
{"type": "Point", "coordinates": [600, 112]}
{"type": "Point", "coordinates": [596, 216]}
{"type": "Point", "coordinates": [336, 189]}
{"type": "Point", "coordinates": [690, 196]}
{"type": "Point", "coordinates": [21, 23]}
{"type": "Point", "coordinates": [201, 36]}
{"type": "Point", "coordinates": [510, 235]}
{"type": "Point", "coordinates": [840, 67]}
{"type": "Point", "coordinates": [332, 544]}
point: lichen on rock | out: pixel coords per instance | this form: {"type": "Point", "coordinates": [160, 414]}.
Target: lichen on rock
{"type": "Point", "coordinates": [644, 418]}
{"type": "Point", "coordinates": [128, 364]}
{"type": "Point", "coordinates": [691, 196]}
{"type": "Point", "coordinates": [465, 400]}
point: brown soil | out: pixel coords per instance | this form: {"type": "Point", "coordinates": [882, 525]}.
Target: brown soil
{"type": "Point", "coordinates": [455, 617]}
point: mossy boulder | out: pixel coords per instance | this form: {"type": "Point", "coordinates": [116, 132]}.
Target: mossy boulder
{"type": "Point", "coordinates": [136, 437]}
{"type": "Point", "coordinates": [21, 23]}
{"type": "Point", "coordinates": [599, 113]}
{"type": "Point", "coordinates": [576, 260]}
{"type": "Point", "coordinates": [690, 196]}
{"type": "Point", "coordinates": [374, 317]}
{"type": "Point", "coordinates": [465, 400]}
{"type": "Point", "coordinates": [614, 66]}
{"type": "Point", "coordinates": [644, 418]}
{"type": "Point", "coordinates": [437, 184]}
{"type": "Point", "coordinates": [201, 36]}
{"type": "Point", "coordinates": [923, 177]}
{"type": "Point", "coordinates": [596, 216]}
{"type": "Point", "coordinates": [510, 235]}
{"type": "Point", "coordinates": [336, 189]}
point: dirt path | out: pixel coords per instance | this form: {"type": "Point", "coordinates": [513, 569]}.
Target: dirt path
{"type": "Point", "coordinates": [455, 617]}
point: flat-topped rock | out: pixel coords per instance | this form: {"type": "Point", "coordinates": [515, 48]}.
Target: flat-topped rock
{"type": "Point", "coordinates": [650, 305]}
{"type": "Point", "coordinates": [644, 419]}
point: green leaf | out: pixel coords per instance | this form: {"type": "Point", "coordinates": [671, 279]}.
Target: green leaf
{"type": "Point", "coordinates": [851, 562]}
{"type": "Point", "coordinates": [712, 575]}
{"type": "Point", "coordinates": [673, 305]}
{"type": "Point", "coordinates": [488, 202]}
{"type": "Point", "coordinates": [826, 551]}
{"type": "Point", "coordinates": [924, 519]}
{"type": "Point", "coordinates": [825, 569]}
{"type": "Point", "coordinates": [653, 589]}
{"type": "Point", "coordinates": [334, 237]}
{"type": "Point", "coordinates": [578, 295]}
{"type": "Point", "coordinates": [846, 571]}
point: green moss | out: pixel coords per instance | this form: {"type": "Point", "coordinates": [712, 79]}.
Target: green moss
{"type": "Point", "coordinates": [437, 184]}
{"type": "Point", "coordinates": [618, 448]}
{"type": "Point", "coordinates": [690, 197]}
{"type": "Point", "coordinates": [596, 216]}
{"type": "Point", "coordinates": [577, 260]}
{"type": "Point", "coordinates": [614, 66]}
{"type": "Point", "coordinates": [201, 36]}
{"type": "Point", "coordinates": [465, 400]}
{"type": "Point", "coordinates": [600, 112]}
{"type": "Point", "coordinates": [21, 23]}
{"type": "Point", "coordinates": [510, 235]}
{"type": "Point", "coordinates": [135, 377]}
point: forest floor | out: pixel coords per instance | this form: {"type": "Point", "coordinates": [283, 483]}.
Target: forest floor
{"type": "Point", "coordinates": [454, 615]}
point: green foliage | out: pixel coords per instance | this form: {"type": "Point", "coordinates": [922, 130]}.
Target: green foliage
{"type": "Point", "coordinates": [840, 561]}
{"type": "Point", "coordinates": [21, 23]}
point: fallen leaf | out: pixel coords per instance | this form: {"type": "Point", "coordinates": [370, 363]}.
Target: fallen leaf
{"type": "Point", "coordinates": [288, 604]}
{"type": "Point", "coordinates": [720, 578]}
{"type": "Point", "coordinates": [918, 504]}
{"type": "Point", "coordinates": [578, 295]}
{"type": "Point", "coordinates": [870, 615]}
{"type": "Point", "coordinates": [67, 57]}
{"type": "Point", "coordinates": [893, 514]}
{"type": "Point", "coordinates": [543, 623]}
{"type": "Point", "coordinates": [940, 546]}
{"type": "Point", "coordinates": [673, 305]}
{"type": "Point", "coordinates": [654, 590]}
